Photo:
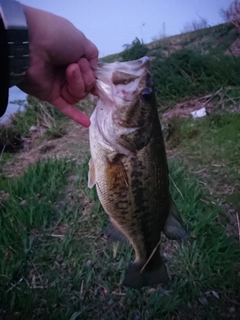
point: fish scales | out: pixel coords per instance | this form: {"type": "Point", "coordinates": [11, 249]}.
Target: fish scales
{"type": "Point", "coordinates": [129, 165]}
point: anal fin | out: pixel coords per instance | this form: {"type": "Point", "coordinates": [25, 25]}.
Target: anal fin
{"type": "Point", "coordinates": [114, 234]}
{"type": "Point", "coordinates": [174, 227]}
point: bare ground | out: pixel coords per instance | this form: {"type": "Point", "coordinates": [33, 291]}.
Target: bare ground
{"type": "Point", "coordinates": [74, 144]}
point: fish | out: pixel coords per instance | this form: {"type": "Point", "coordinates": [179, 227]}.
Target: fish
{"type": "Point", "coordinates": [129, 167]}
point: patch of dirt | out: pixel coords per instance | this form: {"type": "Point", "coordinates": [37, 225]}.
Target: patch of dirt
{"type": "Point", "coordinates": [184, 109]}
{"type": "Point", "coordinates": [74, 145]}
{"type": "Point", "coordinates": [234, 49]}
{"type": "Point", "coordinates": [213, 103]}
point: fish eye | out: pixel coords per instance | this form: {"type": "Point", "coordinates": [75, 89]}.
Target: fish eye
{"type": "Point", "coordinates": [146, 93]}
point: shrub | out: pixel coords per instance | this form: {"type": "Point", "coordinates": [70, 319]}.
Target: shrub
{"type": "Point", "coordinates": [135, 51]}
{"type": "Point", "coordinates": [188, 73]}
{"type": "Point", "coordinates": [232, 14]}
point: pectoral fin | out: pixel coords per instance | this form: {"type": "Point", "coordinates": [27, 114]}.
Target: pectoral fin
{"type": "Point", "coordinates": [91, 174]}
{"type": "Point", "coordinates": [116, 175]}
{"type": "Point", "coordinates": [174, 228]}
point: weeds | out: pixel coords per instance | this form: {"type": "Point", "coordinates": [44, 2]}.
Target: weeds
{"type": "Point", "coordinates": [37, 113]}
{"type": "Point", "coordinates": [135, 51]}
{"type": "Point", "coordinates": [27, 207]}
{"type": "Point", "coordinates": [210, 147]}
{"type": "Point", "coordinates": [232, 13]}
{"type": "Point", "coordinates": [190, 74]}
{"type": "Point", "coordinates": [55, 264]}
{"type": "Point", "coordinates": [10, 140]}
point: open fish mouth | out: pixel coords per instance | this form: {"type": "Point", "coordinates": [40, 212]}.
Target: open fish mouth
{"type": "Point", "coordinates": [122, 80]}
{"type": "Point", "coordinates": [134, 67]}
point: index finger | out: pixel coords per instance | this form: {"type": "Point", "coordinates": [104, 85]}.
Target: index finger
{"type": "Point", "coordinates": [72, 112]}
{"type": "Point", "coordinates": [91, 54]}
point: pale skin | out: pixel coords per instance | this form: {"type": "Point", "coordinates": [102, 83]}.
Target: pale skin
{"type": "Point", "coordinates": [61, 63]}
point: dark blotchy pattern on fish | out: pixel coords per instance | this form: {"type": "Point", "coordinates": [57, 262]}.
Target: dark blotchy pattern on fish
{"type": "Point", "coordinates": [134, 188]}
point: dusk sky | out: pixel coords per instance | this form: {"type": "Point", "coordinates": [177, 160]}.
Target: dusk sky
{"type": "Point", "coordinates": [110, 23]}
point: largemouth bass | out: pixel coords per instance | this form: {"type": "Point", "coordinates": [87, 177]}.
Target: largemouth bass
{"type": "Point", "coordinates": [129, 167]}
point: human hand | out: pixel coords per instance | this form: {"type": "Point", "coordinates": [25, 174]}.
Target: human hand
{"type": "Point", "coordinates": [61, 62]}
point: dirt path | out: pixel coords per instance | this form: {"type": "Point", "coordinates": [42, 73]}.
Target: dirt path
{"type": "Point", "coordinates": [74, 144]}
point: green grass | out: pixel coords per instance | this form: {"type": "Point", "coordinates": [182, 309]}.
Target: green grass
{"type": "Point", "coordinates": [26, 205]}
{"type": "Point", "coordinates": [214, 39]}
{"type": "Point", "coordinates": [187, 73]}
{"type": "Point", "coordinates": [37, 113]}
{"type": "Point", "coordinates": [55, 265]}
{"type": "Point", "coordinates": [211, 146]}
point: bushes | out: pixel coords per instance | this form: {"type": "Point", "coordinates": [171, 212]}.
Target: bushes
{"type": "Point", "coordinates": [232, 14]}
{"type": "Point", "coordinates": [187, 73]}
{"type": "Point", "coordinates": [136, 51]}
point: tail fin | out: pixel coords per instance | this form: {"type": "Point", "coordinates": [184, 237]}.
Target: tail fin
{"type": "Point", "coordinates": [153, 274]}
{"type": "Point", "coordinates": [174, 228]}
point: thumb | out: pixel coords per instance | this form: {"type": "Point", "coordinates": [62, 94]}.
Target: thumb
{"type": "Point", "coordinates": [72, 112]}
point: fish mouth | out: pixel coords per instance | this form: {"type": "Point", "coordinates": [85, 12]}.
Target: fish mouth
{"type": "Point", "coordinates": [130, 67]}
{"type": "Point", "coordinates": [121, 79]}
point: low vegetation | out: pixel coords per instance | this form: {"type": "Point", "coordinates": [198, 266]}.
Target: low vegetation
{"type": "Point", "coordinates": [232, 13]}
{"type": "Point", "coordinates": [55, 263]}
{"type": "Point", "coordinates": [186, 74]}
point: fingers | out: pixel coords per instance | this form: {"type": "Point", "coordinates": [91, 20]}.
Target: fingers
{"type": "Point", "coordinates": [71, 112]}
{"type": "Point", "coordinates": [80, 81]}
{"type": "Point", "coordinates": [91, 53]}
{"type": "Point", "coordinates": [74, 88]}
{"type": "Point", "coordinates": [87, 74]}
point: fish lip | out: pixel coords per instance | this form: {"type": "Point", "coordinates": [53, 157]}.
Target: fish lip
{"type": "Point", "coordinates": [108, 89]}
{"type": "Point", "coordinates": [135, 65]}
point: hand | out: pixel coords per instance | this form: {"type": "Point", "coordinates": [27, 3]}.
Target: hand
{"type": "Point", "coordinates": [61, 62]}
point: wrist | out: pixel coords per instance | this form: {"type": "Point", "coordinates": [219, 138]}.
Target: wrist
{"type": "Point", "coordinates": [14, 41]}
{"type": "Point", "coordinates": [16, 29]}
